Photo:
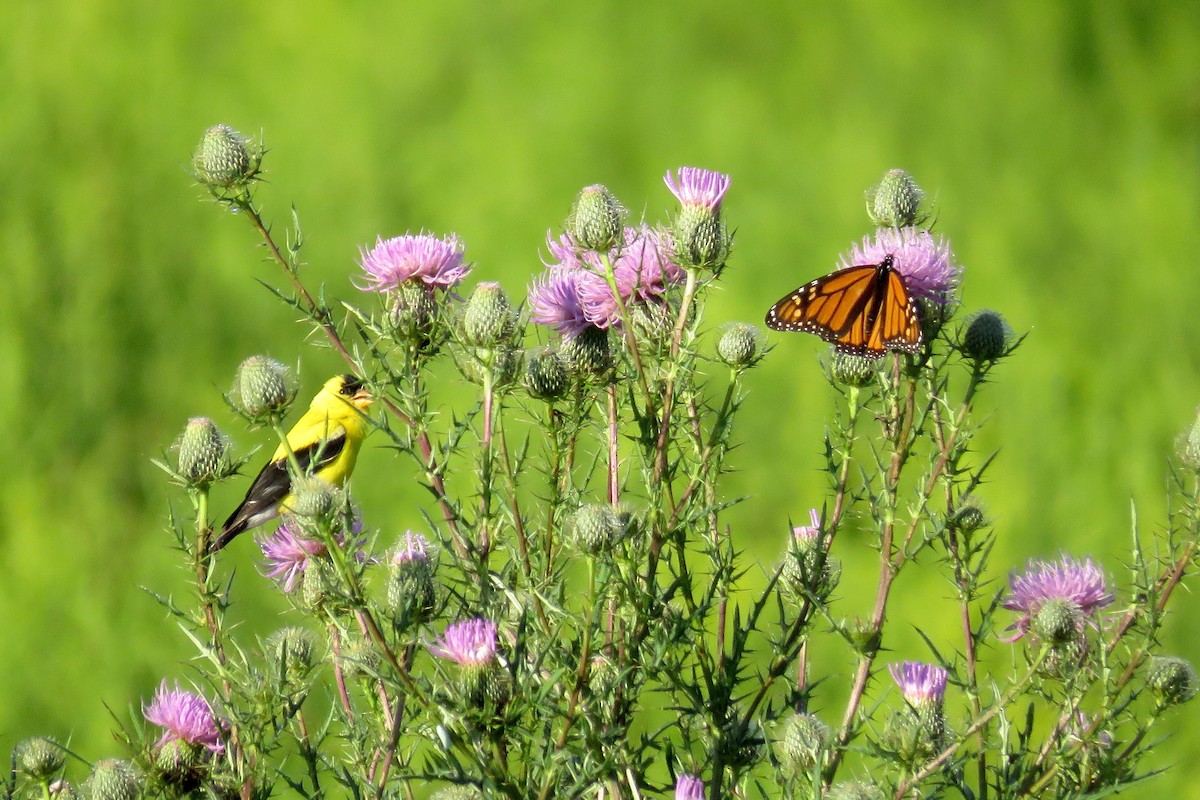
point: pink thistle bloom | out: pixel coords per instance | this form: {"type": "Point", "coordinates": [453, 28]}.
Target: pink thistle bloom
{"type": "Point", "coordinates": [643, 269]}
{"type": "Point", "coordinates": [413, 548]}
{"type": "Point", "coordinates": [183, 716]}
{"type": "Point", "coordinates": [470, 643]}
{"type": "Point", "coordinates": [698, 187]}
{"type": "Point", "coordinates": [414, 257]}
{"type": "Point", "coordinates": [286, 553]}
{"type": "Point", "coordinates": [554, 301]}
{"type": "Point", "coordinates": [1068, 580]}
{"type": "Point", "coordinates": [926, 263]}
{"type": "Point", "coordinates": [689, 787]}
{"type": "Point", "coordinates": [808, 533]}
{"type": "Point", "coordinates": [566, 253]}
{"type": "Point", "coordinates": [920, 683]}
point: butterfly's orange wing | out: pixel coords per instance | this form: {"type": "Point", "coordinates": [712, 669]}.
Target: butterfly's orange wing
{"type": "Point", "coordinates": [866, 310]}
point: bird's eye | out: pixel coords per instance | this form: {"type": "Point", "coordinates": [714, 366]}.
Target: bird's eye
{"type": "Point", "coordinates": [350, 385]}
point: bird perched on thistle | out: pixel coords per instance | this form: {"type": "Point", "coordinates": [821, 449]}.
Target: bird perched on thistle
{"type": "Point", "coordinates": [325, 442]}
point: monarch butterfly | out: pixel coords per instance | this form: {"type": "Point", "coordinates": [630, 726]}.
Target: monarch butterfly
{"type": "Point", "coordinates": [865, 310]}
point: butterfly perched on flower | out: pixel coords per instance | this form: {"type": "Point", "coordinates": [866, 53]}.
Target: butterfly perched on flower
{"type": "Point", "coordinates": [865, 309]}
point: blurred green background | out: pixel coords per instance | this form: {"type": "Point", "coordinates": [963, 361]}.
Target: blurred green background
{"type": "Point", "coordinates": [1060, 141]}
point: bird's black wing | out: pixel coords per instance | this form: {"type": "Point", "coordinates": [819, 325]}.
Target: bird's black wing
{"type": "Point", "coordinates": [273, 484]}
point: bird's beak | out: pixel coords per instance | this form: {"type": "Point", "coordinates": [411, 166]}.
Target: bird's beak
{"type": "Point", "coordinates": [362, 399]}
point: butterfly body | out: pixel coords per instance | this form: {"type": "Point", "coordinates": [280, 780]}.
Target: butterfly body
{"type": "Point", "coordinates": [865, 310]}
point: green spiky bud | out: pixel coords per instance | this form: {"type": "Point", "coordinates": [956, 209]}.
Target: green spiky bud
{"type": "Point", "coordinates": [62, 790]}
{"type": "Point", "coordinates": [986, 336]}
{"type": "Point", "coordinates": [740, 345]}
{"type": "Point", "coordinates": [177, 760]}
{"type": "Point", "coordinates": [203, 453]}
{"type": "Point", "coordinates": [114, 779]}
{"type": "Point", "coordinates": [262, 388]}
{"type": "Point", "coordinates": [1058, 622]}
{"type": "Point", "coordinates": [315, 502]}
{"type": "Point", "coordinates": [458, 791]}
{"type": "Point", "coordinates": [360, 659]}
{"type": "Point", "coordinates": [854, 790]}
{"type": "Point", "coordinates": [588, 353]}
{"type": "Point", "coordinates": [969, 517]}
{"type": "Point", "coordinates": [414, 312]}
{"type": "Point", "coordinates": [849, 369]}
{"type": "Point", "coordinates": [701, 239]}
{"type": "Point", "coordinates": [546, 375]}
{"type": "Point", "coordinates": [488, 317]}
{"type": "Point", "coordinates": [40, 757]}
{"type": "Point", "coordinates": [596, 221]}
{"type": "Point", "coordinates": [652, 324]}
{"type": "Point", "coordinates": [895, 201]}
{"type": "Point", "coordinates": [503, 363]}
{"type": "Point", "coordinates": [596, 528]}
{"type": "Point", "coordinates": [225, 159]}
{"type": "Point", "coordinates": [805, 740]}
{"type": "Point", "coordinates": [291, 650]}
{"type": "Point", "coordinates": [319, 584]}
{"type": "Point", "coordinates": [1172, 679]}
{"type": "Point", "coordinates": [411, 589]}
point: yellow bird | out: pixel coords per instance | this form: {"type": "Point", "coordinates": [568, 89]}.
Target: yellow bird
{"type": "Point", "coordinates": [325, 441]}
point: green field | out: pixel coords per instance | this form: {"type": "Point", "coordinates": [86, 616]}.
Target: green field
{"type": "Point", "coordinates": [1061, 143]}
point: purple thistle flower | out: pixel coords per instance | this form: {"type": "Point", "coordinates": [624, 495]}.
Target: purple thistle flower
{"type": "Point", "coordinates": [1068, 580]}
{"type": "Point", "coordinates": [414, 257]}
{"type": "Point", "coordinates": [808, 533]}
{"type": "Point", "coordinates": [566, 253]}
{"type": "Point", "coordinates": [689, 787]}
{"type": "Point", "coordinates": [412, 548]}
{"type": "Point", "coordinates": [926, 263]}
{"type": "Point", "coordinates": [470, 643]}
{"type": "Point", "coordinates": [183, 716]}
{"type": "Point", "coordinates": [554, 301]}
{"type": "Point", "coordinates": [642, 269]}
{"type": "Point", "coordinates": [698, 187]}
{"type": "Point", "coordinates": [920, 683]}
{"type": "Point", "coordinates": [286, 553]}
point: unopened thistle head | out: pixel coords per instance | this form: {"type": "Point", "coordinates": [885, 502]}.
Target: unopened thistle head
{"type": "Point", "coordinates": [895, 202]}
{"type": "Point", "coordinates": [1078, 585]}
{"type": "Point", "coordinates": [596, 220]}
{"type": "Point", "coordinates": [849, 369]}
{"type": "Point", "coordinates": [740, 345]}
{"type": "Point", "coordinates": [411, 591]}
{"type": "Point", "coordinates": [985, 336]}
{"type": "Point", "coordinates": [701, 240]}
{"type": "Point", "coordinates": [203, 453]}
{"type": "Point", "coordinates": [488, 317]}
{"type": "Point", "coordinates": [292, 650]}
{"type": "Point", "coordinates": [805, 740]}
{"type": "Point", "coordinates": [114, 779]}
{"type": "Point", "coordinates": [40, 758]}
{"type": "Point", "coordinates": [809, 569]}
{"type": "Point", "coordinates": [1172, 679]}
{"type": "Point", "coordinates": [262, 388]}
{"type": "Point", "coordinates": [226, 160]}
{"type": "Point", "coordinates": [546, 375]}
{"type": "Point", "coordinates": [597, 527]}
{"type": "Point", "coordinates": [855, 790]}
{"type": "Point", "coordinates": [588, 354]}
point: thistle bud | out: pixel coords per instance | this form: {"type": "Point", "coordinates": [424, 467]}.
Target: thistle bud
{"type": "Point", "coordinates": [414, 311]}
{"type": "Point", "coordinates": [895, 201]}
{"type": "Point", "coordinates": [546, 375]}
{"type": "Point", "coordinates": [588, 353]}
{"type": "Point", "coordinates": [178, 761]}
{"type": "Point", "coordinates": [319, 583]}
{"type": "Point", "coordinates": [986, 336]}
{"type": "Point", "coordinates": [805, 740]}
{"type": "Point", "coordinates": [1172, 679]}
{"type": "Point", "coordinates": [360, 659]}
{"type": "Point", "coordinates": [849, 369]}
{"type": "Point", "coordinates": [488, 317]}
{"type": "Point", "coordinates": [596, 528]}
{"type": "Point", "coordinates": [315, 502]}
{"type": "Point", "coordinates": [596, 221]}
{"type": "Point", "coordinates": [653, 323]}
{"type": "Point", "coordinates": [458, 791]}
{"type": "Point", "coordinates": [114, 779]}
{"type": "Point", "coordinates": [740, 345]}
{"type": "Point", "coordinates": [262, 388]}
{"type": "Point", "coordinates": [291, 650]}
{"type": "Point", "coordinates": [225, 159]}
{"type": "Point", "coordinates": [411, 591]}
{"type": "Point", "coordinates": [701, 240]}
{"type": "Point", "coordinates": [854, 790]}
{"type": "Point", "coordinates": [1058, 622]}
{"type": "Point", "coordinates": [40, 758]}
{"type": "Point", "coordinates": [969, 517]}
{"type": "Point", "coordinates": [203, 453]}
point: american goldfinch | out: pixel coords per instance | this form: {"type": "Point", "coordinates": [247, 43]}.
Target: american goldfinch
{"type": "Point", "coordinates": [325, 442]}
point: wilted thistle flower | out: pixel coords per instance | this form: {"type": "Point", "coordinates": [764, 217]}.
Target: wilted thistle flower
{"type": "Point", "coordinates": [225, 159]}
{"type": "Point", "coordinates": [414, 258]}
{"type": "Point", "coordinates": [1077, 586]}
{"type": "Point", "coordinates": [546, 375]}
{"type": "Point", "coordinates": [927, 265]}
{"type": "Point", "coordinates": [1172, 679]}
{"type": "Point", "coordinates": [114, 779]}
{"type": "Point", "coordinates": [740, 345]}
{"type": "Point", "coordinates": [986, 336]}
{"type": "Point", "coordinates": [701, 240]}
{"type": "Point", "coordinates": [185, 717]}
{"type": "Point", "coordinates": [262, 388]}
{"type": "Point", "coordinates": [488, 316]}
{"type": "Point", "coordinates": [203, 453]}
{"type": "Point", "coordinates": [40, 758]}
{"type": "Point", "coordinates": [895, 201]}
{"type": "Point", "coordinates": [588, 354]}
{"type": "Point", "coordinates": [596, 220]}
{"type": "Point", "coordinates": [849, 369]}
{"type": "Point", "coordinates": [805, 740]}
{"type": "Point", "coordinates": [411, 589]}
{"type": "Point", "coordinates": [689, 787]}
{"type": "Point", "coordinates": [854, 790]}
{"type": "Point", "coordinates": [918, 732]}
{"type": "Point", "coordinates": [596, 528]}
